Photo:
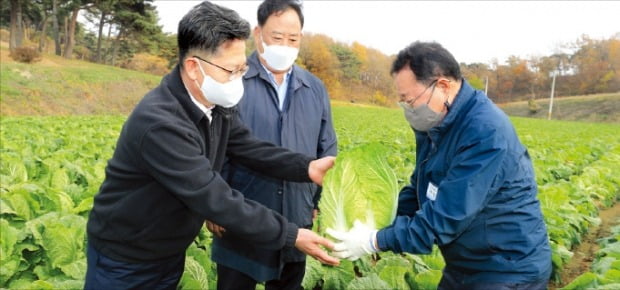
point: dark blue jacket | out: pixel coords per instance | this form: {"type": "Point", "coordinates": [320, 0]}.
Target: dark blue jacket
{"type": "Point", "coordinates": [304, 125]}
{"type": "Point", "coordinates": [485, 217]}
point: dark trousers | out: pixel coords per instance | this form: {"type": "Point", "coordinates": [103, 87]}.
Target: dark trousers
{"type": "Point", "coordinates": [451, 280]}
{"type": "Point", "coordinates": [291, 278]}
{"type": "Point", "coordinates": [105, 273]}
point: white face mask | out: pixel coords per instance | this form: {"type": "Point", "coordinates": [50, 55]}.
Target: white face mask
{"type": "Point", "coordinates": [279, 57]}
{"type": "Point", "coordinates": [222, 94]}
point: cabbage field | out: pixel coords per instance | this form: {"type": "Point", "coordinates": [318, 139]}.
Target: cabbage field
{"type": "Point", "coordinates": [51, 167]}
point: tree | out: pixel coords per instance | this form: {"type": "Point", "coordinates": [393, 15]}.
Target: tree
{"type": "Point", "coordinates": [100, 13]}
{"type": "Point", "coordinates": [349, 63]}
{"type": "Point", "coordinates": [596, 64]}
{"type": "Point", "coordinates": [16, 29]}
{"type": "Point", "coordinates": [136, 22]}
{"type": "Point", "coordinates": [315, 56]}
{"type": "Point", "coordinates": [475, 73]}
{"type": "Point", "coordinates": [74, 6]}
{"type": "Point", "coordinates": [361, 54]}
{"type": "Point", "coordinates": [56, 28]}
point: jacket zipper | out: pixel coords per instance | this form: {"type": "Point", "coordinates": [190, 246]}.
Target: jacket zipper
{"type": "Point", "coordinates": [428, 156]}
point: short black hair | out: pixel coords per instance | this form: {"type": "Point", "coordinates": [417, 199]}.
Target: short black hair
{"type": "Point", "coordinates": [428, 61]}
{"type": "Point", "coordinates": [207, 26]}
{"type": "Point", "coordinates": [269, 7]}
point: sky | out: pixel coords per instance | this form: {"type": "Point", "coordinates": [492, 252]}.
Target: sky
{"type": "Point", "coordinates": [473, 31]}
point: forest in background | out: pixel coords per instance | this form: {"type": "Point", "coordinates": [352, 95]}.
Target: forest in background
{"type": "Point", "coordinates": [126, 33]}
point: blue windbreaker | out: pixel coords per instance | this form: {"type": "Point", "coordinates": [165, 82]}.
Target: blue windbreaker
{"type": "Point", "coordinates": [303, 125]}
{"type": "Point", "coordinates": [473, 193]}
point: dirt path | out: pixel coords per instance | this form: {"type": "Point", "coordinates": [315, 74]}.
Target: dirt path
{"type": "Point", "coordinates": [586, 251]}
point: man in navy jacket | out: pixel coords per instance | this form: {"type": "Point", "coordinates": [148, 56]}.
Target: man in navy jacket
{"type": "Point", "coordinates": [472, 192]}
{"type": "Point", "coordinates": [164, 181]}
{"type": "Point", "coordinates": [288, 106]}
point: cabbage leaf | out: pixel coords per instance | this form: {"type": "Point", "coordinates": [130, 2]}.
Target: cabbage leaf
{"type": "Point", "coordinates": [361, 186]}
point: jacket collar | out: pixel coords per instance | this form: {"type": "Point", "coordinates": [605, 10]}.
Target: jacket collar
{"type": "Point", "coordinates": [458, 107]}
{"type": "Point", "coordinates": [298, 77]}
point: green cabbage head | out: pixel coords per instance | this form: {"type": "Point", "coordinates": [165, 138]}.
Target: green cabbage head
{"type": "Point", "coordinates": [361, 186]}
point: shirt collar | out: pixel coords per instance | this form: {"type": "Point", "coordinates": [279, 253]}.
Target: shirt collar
{"type": "Point", "coordinates": [299, 77]}
{"type": "Point", "coordinates": [272, 77]}
{"type": "Point", "coordinates": [200, 106]}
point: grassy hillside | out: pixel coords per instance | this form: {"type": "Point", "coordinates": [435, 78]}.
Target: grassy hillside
{"type": "Point", "coordinates": [593, 108]}
{"type": "Point", "coordinates": [57, 86]}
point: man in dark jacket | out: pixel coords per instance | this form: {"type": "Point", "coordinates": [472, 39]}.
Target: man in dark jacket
{"type": "Point", "coordinates": [163, 180]}
{"type": "Point", "coordinates": [473, 191]}
{"type": "Point", "coordinates": [288, 106]}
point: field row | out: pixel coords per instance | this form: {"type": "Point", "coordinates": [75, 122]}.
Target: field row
{"type": "Point", "coordinates": [51, 167]}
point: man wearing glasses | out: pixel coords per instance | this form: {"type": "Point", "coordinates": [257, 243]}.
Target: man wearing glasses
{"type": "Point", "coordinates": [473, 191]}
{"type": "Point", "coordinates": [288, 106]}
{"type": "Point", "coordinates": [164, 180]}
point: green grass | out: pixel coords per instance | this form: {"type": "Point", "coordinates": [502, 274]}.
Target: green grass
{"type": "Point", "coordinates": [57, 86]}
{"type": "Point", "coordinates": [592, 108]}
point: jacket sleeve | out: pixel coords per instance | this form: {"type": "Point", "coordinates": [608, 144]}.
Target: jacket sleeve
{"type": "Point", "coordinates": [265, 157]}
{"type": "Point", "coordinates": [408, 198]}
{"type": "Point", "coordinates": [328, 145]}
{"type": "Point", "coordinates": [176, 160]}
{"type": "Point", "coordinates": [462, 194]}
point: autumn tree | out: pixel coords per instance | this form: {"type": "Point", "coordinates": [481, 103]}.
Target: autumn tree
{"type": "Point", "coordinates": [315, 55]}
{"type": "Point", "coordinates": [596, 62]}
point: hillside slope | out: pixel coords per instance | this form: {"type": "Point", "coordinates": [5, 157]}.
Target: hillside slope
{"type": "Point", "coordinates": [593, 108]}
{"type": "Point", "coordinates": [57, 86]}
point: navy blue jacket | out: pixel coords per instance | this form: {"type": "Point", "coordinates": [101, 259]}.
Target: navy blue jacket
{"type": "Point", "coordinates": [484, 216]}
{"type": "Point", "coordinates": [304, 125]}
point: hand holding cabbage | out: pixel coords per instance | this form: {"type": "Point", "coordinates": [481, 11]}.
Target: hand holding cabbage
{"type": "Point", "coordinates": [360, 195]}
{"type": "Point", "coordinates": [359, 241]}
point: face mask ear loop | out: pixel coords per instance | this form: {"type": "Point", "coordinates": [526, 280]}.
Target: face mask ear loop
{"type": "Point", "coordinates": [204, 75]}
{"type": "Point", "coordinates": [445, 103]}
{"type": "Point", "coordinates": [432, 92]}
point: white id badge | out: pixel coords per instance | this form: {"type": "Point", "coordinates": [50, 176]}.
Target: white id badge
{"type": "Point", "coordinates": [431, 191]}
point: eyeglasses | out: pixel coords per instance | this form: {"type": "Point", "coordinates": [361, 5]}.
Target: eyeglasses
{"type": "Point", "coordinates": [410, 102]}
{"type": "Point", "coordinates": [234, 74]}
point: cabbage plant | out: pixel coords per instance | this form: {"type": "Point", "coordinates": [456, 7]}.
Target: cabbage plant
{"type": "Point", "coordinates": [361, 186]}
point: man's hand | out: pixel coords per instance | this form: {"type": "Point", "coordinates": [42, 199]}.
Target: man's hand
{"type": "Point", "coordinates": [359, 241]}
{"type": "Point", "coordinates": [215, 229]}
{"type": "Point", "coordinates": [309, 243]}
{"type": "Point", "coordinates": [319, 167]}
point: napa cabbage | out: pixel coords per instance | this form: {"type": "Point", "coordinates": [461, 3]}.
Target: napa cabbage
{"type": "Point", "coordinates": [361, 186]}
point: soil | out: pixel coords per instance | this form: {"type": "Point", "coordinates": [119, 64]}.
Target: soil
{"type": "Point", "coordinates": [586, 251]}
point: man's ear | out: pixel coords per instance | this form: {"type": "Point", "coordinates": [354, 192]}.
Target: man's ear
{"type": "Point", "coordinates": [443, 84]}
{"type": "Point", "coordinates": [191, 68]}
{"type": "Point", "coordinates": [256, 32]}
{"type": "Point", "coordinates": [257, 39]}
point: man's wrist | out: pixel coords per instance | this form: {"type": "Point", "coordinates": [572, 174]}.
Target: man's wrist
{"type": "Point", "coordinates": [373, 242]}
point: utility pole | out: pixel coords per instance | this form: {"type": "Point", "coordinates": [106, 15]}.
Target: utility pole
{"type": "Point", "coordinates": [486, 85]}
{"type": "Point", "coordinates": [551, 98]}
